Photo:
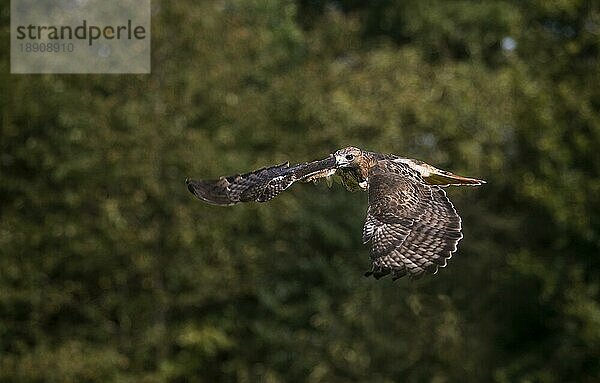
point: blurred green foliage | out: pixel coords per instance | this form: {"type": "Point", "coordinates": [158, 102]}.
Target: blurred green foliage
{"type": "Point", "coordinates": [111, 271]}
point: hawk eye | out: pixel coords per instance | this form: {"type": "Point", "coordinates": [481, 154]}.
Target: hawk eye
{"type": "Point", "coordinates": [349, 157]}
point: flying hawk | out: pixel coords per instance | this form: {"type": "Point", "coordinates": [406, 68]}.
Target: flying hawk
{"type": "Point", "coordinates": [412, 226]}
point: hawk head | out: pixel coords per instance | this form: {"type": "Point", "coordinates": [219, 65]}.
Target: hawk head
{"type": "Point", "coordinates": [348, 157]}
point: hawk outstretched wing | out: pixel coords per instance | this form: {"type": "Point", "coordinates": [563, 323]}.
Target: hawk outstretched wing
{"type": "Point", "coordinates": [260, 185]}
{"type": "Point", "coordinates": [412, 226]}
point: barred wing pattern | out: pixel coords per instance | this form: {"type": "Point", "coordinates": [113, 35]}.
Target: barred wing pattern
{"type": "Point", "coordinates": [260, 185]}
{"type": "Point", "coordinates": [412, 226]}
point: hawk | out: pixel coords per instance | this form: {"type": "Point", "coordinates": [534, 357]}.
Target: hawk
{"type": "Point", "coordinates": [411, 224]}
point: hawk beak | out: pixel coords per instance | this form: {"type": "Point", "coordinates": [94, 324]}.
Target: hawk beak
{"type": "Point", "coordinates": [341, 161]}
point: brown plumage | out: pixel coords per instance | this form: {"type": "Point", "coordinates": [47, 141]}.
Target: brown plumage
{"type": "Point", "coordinates": [411, 224]}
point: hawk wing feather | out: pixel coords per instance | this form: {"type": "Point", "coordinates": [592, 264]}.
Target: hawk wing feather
{"type": "Point", "coordinates": [430, 174]}
{"type": "Point", "coordinates": [434, 176]}
{"type": "Point", "coordinates": [413, 227]}
{"type": "Point", "coordinates": [260, 185]}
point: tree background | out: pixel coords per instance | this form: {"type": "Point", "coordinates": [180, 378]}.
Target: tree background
{"type": "Point", "coordinates": [110, 271]}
